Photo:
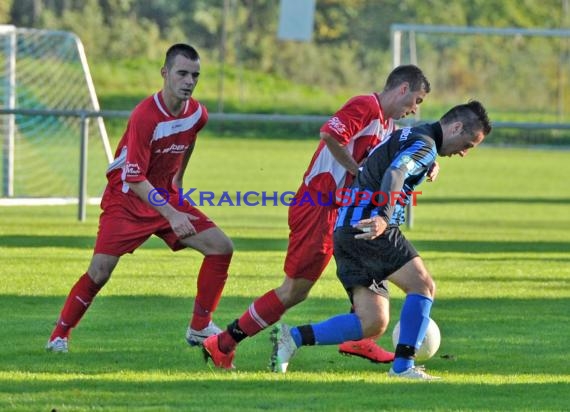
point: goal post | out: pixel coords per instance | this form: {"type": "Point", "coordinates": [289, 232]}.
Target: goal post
{"type": "Point", "coordinates": [504, 67]}
{"type": "Point", "coordinates": [47, 71]}
{"type": "Point", "coordinates": [8, 33]}
{"type": "Point", "coordinates": [522, 75]}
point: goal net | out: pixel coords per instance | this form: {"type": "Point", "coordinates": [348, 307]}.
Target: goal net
{"type": "Point", "coordinates": [45, 80]}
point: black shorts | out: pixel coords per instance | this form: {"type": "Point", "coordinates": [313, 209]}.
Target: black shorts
{"type": "Point", "coordinates": [369, 262]}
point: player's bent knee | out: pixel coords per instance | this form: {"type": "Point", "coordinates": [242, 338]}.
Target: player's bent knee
{"type": "Point", "coordinates": [432, 289]}
{"type": "Point", "coordinates": [422, 283]}
{"type": "Point", "coordinates": [99, 275]}
{"type": "Point", "coordinates": [221, 243]}
{"type": "Point", "coordinates": [429, 285]}
{"type": "Point", "coordinates": [225, 246]}
{"type": "Point", "coordinates": [101, 267]}
{"type": "Point", "coordinates": [373, 323]}
{"type": "Point", "coordinates": [372, 328]}
{"type": "Point", "coordinates": [291, 293]}
{"type": "Point", "coordinates": [210, 242]}
{"type": "Point", "coordinates": [294, 297]}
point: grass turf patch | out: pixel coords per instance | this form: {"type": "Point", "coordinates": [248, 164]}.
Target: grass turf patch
{"type": "Point", "coordinates": [493, 231]}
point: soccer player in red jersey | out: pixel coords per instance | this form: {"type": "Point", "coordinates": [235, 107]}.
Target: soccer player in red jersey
{"type": "Point", "coordinates": [141, 199]}
{"type": "Point", "coordinates": [370, 250]}
{"type": "Point", "coordinates": [346, 139]}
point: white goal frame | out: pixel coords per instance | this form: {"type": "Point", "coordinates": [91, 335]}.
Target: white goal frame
{"type": "Point", "coordinates": [397, 37]}
{"type": "Point", "coordinates": [8, 103]}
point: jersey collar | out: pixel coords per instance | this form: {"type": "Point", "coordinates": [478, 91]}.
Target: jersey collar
{"type": "Point", "coordinates": [437, 135]}
{"type": "Point", "coordinates": [159, 100]}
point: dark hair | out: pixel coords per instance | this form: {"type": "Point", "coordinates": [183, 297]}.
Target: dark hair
{"type": "Point", "coordinates": [408, 73]}
{"type": "Point", "coordinates": [473, 116]}
{"type": "Point", "coordinates": [180, 49]}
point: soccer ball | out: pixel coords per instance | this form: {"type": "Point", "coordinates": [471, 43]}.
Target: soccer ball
{"type": "Point", "coordinates": [429, 345]}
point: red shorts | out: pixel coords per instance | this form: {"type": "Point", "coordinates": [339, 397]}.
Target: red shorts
{"type": "Point", "coordinates": [122, 232]}
{"type": "Point", "coordinates": [310, 240]}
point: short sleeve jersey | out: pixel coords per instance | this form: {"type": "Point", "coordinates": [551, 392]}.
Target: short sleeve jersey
{"type": "Point", "coordinates": [359, 125]}
{"type": "Point", "coordinates": [152, 148]}
{"type": "Point", "coordinates": [413, 150]}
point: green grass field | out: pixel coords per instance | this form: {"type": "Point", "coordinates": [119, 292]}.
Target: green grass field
{"type": "Point", "coordinates": [494, 231]}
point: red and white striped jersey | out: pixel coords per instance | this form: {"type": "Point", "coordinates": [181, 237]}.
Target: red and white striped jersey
{"type": "Point", "coordinates": [154, 145]}
{"type": "Point", "coordinates": [359, 125]}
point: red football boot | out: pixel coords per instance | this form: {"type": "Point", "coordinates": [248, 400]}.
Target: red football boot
{"type": "Point", "coordinates": [367, 349]}
{"type": "Point", "coordinates": [219, 358]}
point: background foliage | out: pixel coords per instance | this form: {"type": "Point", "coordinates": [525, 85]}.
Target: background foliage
{"type": "Point", "coordinates": [247, 69]}
{"type": "Point", "coordinates": [350, 46]}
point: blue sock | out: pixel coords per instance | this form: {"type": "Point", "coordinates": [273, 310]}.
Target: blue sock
{"type": "Point", "coordinates": [414, 321]}
{"type": "Point", "coordinates": [332, 331]}
{"type": "Point", "coordinates": [296, 335]}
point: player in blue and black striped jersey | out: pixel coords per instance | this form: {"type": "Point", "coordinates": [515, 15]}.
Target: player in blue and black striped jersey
{"type": "Point", "coordinates": [407, 154]}
{"type": "Point", "coordinates": [369, 248]}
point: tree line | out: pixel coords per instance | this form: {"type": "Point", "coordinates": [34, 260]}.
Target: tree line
{"type": "Point", "coordinates": [350, 44]}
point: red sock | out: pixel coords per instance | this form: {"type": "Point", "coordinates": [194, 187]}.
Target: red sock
{"type": "Point", "coordinates": [76, 304]}
{"type": "Point", "coordinates": [262, 313]}
{"type": "Point", "coordinates": [211, 280]}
